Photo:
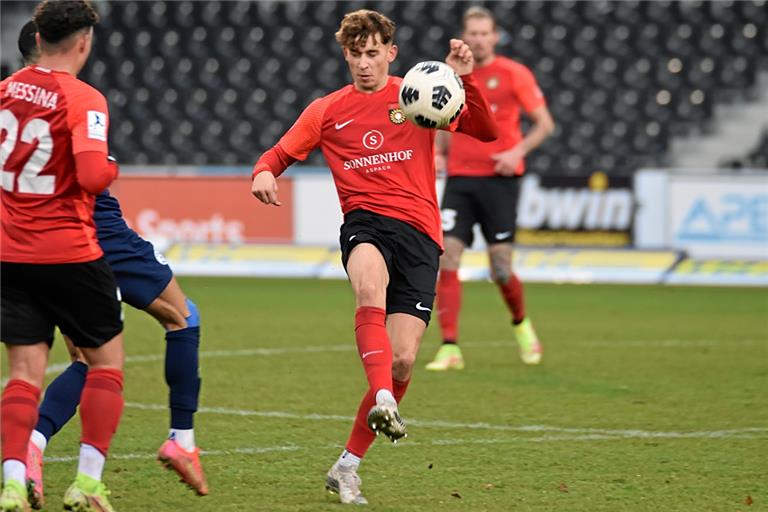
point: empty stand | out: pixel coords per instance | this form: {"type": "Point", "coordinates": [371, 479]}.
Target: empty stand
{"type": "Point", "coordinates": [219, 82]}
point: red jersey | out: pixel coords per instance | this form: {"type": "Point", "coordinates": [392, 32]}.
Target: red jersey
{"type": "Point", "coordinates": [46, 118]}
{"type": "Point", "coordinates": [380, 162]}
{"type": "Point", "coordinates": [509, 87]}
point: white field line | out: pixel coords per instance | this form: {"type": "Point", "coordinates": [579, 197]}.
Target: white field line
{"type": "Point", "coordinates": [749, 432]}
{"type": "Point", "coordinates": [256, 450]}
{"type": "Point", "coordinates": [289, 448]}
{"type": "Point", "coordinates": [207, 354]}
{"type": "Point", "coordinates": [348, 347]}
{"type": "Point", "coordinates": [318, 349]}
{"type": "Point", "coordinates": [668, 343]}
{"type": "Point", "coordinates": [152, 455]}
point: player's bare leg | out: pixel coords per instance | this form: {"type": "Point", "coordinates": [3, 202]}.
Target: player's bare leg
{"type": "Point", "coordinates": [449, 355]}
{"type": "Point", "coordinates": [179, 316]}
{"type": "Point", "coordinates": [405, 332]}
{"type": "Point", "coordinates": [27, 362]}
{"type": "Point", "coordinates": [500, 256]}
{"type": "Point", "coordinates": [170, 307]}
{"type": "Point", "coordinates": [19, 405]}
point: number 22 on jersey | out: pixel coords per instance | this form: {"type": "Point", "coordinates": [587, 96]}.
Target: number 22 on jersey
{"type": "Point", "coordinates": [29, 181]}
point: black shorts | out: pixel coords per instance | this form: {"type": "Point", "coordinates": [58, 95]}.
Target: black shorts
{"type": "Point", "coordinates": [82, 299]}
{"type": "Point", "coordinates": [490, 201]}
{"type": "Point", "coordinates": [412, 259]}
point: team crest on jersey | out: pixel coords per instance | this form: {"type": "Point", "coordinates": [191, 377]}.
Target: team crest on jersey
{"type": "Point", "coordinates": [492, 82]}
{"type": "Point", "coordinates": [396, 115]}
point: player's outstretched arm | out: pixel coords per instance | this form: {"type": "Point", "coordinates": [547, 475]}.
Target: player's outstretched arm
{"type": "Point", "coordinates": [294, 146]}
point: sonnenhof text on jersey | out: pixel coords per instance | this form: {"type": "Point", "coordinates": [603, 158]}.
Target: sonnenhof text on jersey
{"type": "Point", "coordinates": [378, 159]}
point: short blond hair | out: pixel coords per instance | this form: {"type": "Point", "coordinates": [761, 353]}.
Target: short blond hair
{"type": "Point", "coordinates": [358, 25]}
{"type": "Point", "coordinates": [477, 11]}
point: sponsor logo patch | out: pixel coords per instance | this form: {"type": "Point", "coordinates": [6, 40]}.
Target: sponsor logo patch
{"type": "Point", "coordinates": [97, 125]}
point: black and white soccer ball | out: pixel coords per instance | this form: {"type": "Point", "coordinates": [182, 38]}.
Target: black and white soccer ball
{"type": "Point", "coordinates": [431, 94]}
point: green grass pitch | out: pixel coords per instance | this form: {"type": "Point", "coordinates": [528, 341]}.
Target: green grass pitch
{"type": "Point", "coordinates": [649, 399]}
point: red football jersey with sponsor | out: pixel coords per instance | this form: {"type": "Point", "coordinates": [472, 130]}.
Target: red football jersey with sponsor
{"type": "Point", "coordinates": [509, 87]}
{"type": "Point", "coordinates": [46, 118]}
{"type": "Point", "coordinates": [380, 162]}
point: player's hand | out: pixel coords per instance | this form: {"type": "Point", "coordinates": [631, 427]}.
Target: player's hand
{"type": "Point", "coordinates": [264, 187]}
{"type": "Point", "coordinates": [460, 57]}
{"type": "Point", "coordinates": [507, 162]}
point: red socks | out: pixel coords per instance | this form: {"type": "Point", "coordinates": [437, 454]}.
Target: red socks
{"type": "Point", "coordinates": [19, 417]}
{"type": "Point", "coordinates": [362, 436]}
{"type": "Point", "coordinates": [400, 387]}
{"type": "Point", "coordinates": [449, 303]}
{"type": "Point", "coordinates": [101, 406]}
{"type": "Point", "coordinates": [512, 291]}
{"type": "Point", "coordinates": [376, 355]}
{"type": "Point", "coordinates": [374, 347]}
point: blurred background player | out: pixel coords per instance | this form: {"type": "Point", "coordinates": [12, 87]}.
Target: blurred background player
{"type": "Point", "coordinates": [54, 157]}
{"type": "Point", "coordinates": [391, 237]}
{"type": "Point", "coordinates": [146, 282]}
{"type": "Point", "coordinates": [483, 187]}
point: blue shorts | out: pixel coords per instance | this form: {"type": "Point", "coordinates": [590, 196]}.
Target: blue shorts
{"type": "Point", "coordinates": [142, 273]}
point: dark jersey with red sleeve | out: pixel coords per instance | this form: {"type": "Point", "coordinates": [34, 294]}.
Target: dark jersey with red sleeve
{"type": "Point", "coordinates": [510, 88]}
{"type": "Point", "coordinates": [46, 119]}
{"type": "Point", "coordinates": [380, 162]}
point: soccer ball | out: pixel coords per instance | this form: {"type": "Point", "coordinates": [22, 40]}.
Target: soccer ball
{"type": "Point", "coordinates": [431, 94]}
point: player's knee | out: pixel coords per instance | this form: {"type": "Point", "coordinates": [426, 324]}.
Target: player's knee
{"type": "Point", "coordinates": [500, 276]}
{"type": "Point", "coordinates": [169, 316]}
{"type": "Point", "coordinates": [402, 364]}
{"type": "Point", "coordinates": [450, 261]}
{"type": "Point", "coordinates": [369, 293]}
{"type": "Point", "coordinates": [24, 365]}
{"type": "Point", "coordinates": [451, 257]}
{"type": "Point", "coordinates": [501, 270]}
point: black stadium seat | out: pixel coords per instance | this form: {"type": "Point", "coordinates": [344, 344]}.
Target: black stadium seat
{"type": "Point", "coordinates": [218, 82]}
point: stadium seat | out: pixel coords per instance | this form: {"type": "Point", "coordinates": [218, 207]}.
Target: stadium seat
{"type": "Point", "coordinates": [214, 82]}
